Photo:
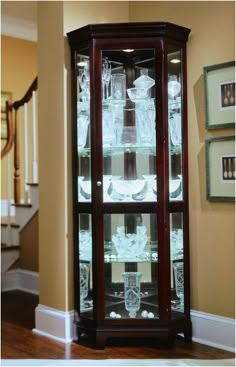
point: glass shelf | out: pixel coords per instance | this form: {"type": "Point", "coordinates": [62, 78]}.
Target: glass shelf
{"type": "Point", "coordinates": [149, 254]}
{"type": "Point", "coordinates": [138, 149]}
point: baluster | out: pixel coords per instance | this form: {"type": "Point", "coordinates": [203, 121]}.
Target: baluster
{"type": "Point", "coordinates": [34, 141]}
{"type": "Point", "coordinates": [17, 179]}
{"type": "Point", "coordinates": [8, 166]}
{"type": "Point", "coordinates": [26, 158]}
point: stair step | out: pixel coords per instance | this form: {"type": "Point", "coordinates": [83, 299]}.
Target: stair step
{"type": "Point", "coordinates": [22, 205]}
{"type": "Point", "coordinates": [32, 184]}
{"type": "Point", "coordinates": [5, 247]}
{"type": "Point", "coordinates": [13, 225]}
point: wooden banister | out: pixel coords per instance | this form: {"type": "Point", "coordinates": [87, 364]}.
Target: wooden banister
{"type": "Point", "coordinates": [13, 135]}
{"type": "Point", "coordinates": [27, 96]}
{"type": "Point", "coordinates": [10, 129]}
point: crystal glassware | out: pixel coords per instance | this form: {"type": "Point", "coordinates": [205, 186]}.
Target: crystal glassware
{"type": "Point", "coordinates": [130, 246]}
{"type": "Point", "coordinates": [175, 129]}
{"type": "Point", "coordinates": [144, 81]}
{"type": "Point", "coordinates": [145, 116]}
{"type": "Point", "coordinates": [179, 283]}
{"type": "Point", "coordinates": [128, 190]}
{"type": "Point", "coordinates": [85, 245]}
{"type": "Point", "coordinates": [106, 77]}
{"type": "Point", "coordinates": [84, 277]}
{"type": "Point", "coordinates": [132, 292]}
{"type": "Point", "coordinates": [108, 126]}
{"type": "Point", "coordinates": [173, 86]}
{"type": "Point", "coordinates": [137, 94]}
{"type": "Point", "coordinates": [118, 87]}
{"type": "Point", "coordinates": [83, 123]}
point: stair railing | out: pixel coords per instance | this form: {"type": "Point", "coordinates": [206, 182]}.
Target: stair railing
{"type": "Point", "coordinates": [14, 142]}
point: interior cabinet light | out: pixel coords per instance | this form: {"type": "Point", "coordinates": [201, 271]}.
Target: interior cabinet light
{"type": "Point", "coordinates": [175, 61]}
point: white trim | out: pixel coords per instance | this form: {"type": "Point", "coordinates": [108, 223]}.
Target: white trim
{"type": "Point", "coordinates": [213, 330]}
{"type": "Point", "coordinates": [55, 324]}
{"type": "Point", "coordinates": [20, 279]}
{"type": "Point", "coordinates": [4, 208]}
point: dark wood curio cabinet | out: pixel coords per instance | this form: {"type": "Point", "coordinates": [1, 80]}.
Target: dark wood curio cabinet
{"type": "Point", "coordinates": [130, 181]}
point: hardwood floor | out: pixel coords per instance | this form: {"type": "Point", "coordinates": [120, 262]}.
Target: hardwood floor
{"type": "Point", "coordinates": [19, 342]}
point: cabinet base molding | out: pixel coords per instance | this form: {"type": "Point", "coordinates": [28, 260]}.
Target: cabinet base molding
{"type": "Point", "coordinates": [55, 324]}
{"type": "Point", "coordinates": [213, 330]}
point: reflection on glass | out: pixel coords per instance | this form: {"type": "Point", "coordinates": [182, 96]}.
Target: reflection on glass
{"type": "Point", "coordinates": [85, 265]}
{"type": "Point", "coordinates": [83, 126]}
{"type": "Point", "coordinates": [179, 284]}
{"type": "Point", "coordinates": [175, 124]}
{"type": "Point", "coordinates": [85, 241]}
{"type": "Point", "coordinates": [177, 258]}
{"type": "Point", "coordinates": [84, 277]}
{"type": "Point", "coordinates": [83, 123]}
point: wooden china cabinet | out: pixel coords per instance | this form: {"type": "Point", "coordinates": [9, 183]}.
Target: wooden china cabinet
{"type": "Point", "coordinates": [130, 181]}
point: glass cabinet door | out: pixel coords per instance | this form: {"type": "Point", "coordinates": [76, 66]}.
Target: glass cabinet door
{"type": "Point", "coordinates": [175, 122]}
{"type": "Point", "coordinates": [131, 266]}
{"type": "Point", "coordinates": [83, 126]}
{"type": "Point", "coordinates": [128, 125]}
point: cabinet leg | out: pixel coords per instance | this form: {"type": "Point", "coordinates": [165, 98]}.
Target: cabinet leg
{"type": "Point", "coordinates": [188, 335]}
{"type": "Point", "coordinates": [99, 341]}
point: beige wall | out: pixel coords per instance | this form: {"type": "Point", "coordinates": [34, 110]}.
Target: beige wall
{"type": "Point", "coordinates": [55, 244]}
{"type": "Point", "coordinates": [80, 13]}
{"type": "Point", "coordinates": [212, 238]}
{"type": "Point", "coordinates": [18, 70]}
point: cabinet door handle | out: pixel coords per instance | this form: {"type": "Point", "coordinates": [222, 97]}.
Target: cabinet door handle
{"type": "Point", "coordinates": [99, 183]}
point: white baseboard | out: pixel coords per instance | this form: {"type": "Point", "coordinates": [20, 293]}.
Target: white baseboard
{"type": "Point", "coordinates": [55, 324]}
{"type": "Point", "coordinates": [20, 279]}
{"type": "Point", "coordinates": [215, 331]}
{"type": "Point", "coordinates": [4, 208]}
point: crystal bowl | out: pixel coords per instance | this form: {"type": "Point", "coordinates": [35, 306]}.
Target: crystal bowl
{"type": "Point", "coordinates": [136, 94]}
{"type": "Point", "coordinates": [130, 246]}
{"type": "Point", "coordinates": [128, 189]}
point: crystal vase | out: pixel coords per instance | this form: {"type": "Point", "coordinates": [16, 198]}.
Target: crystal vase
{"type": "Point", "coordinates": [84, 276]}
{"type": "Point", "coordinates": [132, 292]}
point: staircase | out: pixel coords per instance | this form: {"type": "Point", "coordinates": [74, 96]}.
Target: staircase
{"type": "Point", "coordinates": [19, 223]}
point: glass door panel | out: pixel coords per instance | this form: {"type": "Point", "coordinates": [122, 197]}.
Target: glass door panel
{"type": "Point", "coordinates": [131, 258]}
{"type": "Point", "coordinates": [175, 122]}
{"type": "Point", "coordinates": [83, 127]}
{"type": "Point", "coordinates": [85, 265]}
{"type": "Point", "coordinates": [128, 125]}
{"type": "Point", "coordinates": [177, 261]}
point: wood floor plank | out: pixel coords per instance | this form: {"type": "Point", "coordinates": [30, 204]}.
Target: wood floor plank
{"type": "Point", "coordinates": [18, 341]}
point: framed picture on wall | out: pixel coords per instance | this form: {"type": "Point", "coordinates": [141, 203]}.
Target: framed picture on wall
{"type": "Point", "coordinates": [219, 91]}
{"type": "Point", "coordinates": [220, 168]}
